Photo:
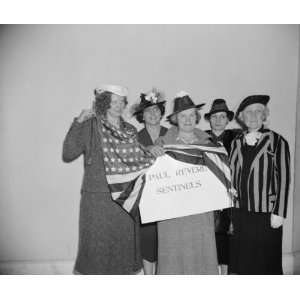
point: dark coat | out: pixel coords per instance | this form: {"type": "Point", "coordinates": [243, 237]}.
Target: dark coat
{"type": "Point", "coordinates": [268, 177]}
{"type": "Point", "coordinates": [149, 231]}
{"type": "Point", "coordinates": [108, 237]}
{"type": "Point", "coordinates": [223, 217]}
{"type": "Point", "coordinates": [226, 137]}
{"type": "Point", "coordinates": [261, 176]}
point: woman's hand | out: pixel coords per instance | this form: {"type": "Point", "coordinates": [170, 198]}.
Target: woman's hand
{"type": "Point", "coordinates": [276, 221]}
{"type": "Point", "coordinates": [156, 150]}
{"type": "Point", "coordinates": [85, 115]}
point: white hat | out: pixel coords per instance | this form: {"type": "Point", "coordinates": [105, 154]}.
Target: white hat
{"type": "Point", "coordinates": [115, 89]}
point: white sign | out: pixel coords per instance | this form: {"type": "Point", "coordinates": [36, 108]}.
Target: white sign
{"type": "Point", "coordinates": [175, 189]}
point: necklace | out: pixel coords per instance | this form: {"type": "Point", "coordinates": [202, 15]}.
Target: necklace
{"type": "Point", "coordinates": [189, 140]}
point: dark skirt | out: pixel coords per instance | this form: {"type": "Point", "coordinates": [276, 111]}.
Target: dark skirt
{"type": "Point", "coordinates": [222, 223]}
{"type": "Point", "coordinates": [255, 247]}
{"type": "Point", "coordinates": [149, 241]}
{"type": "Point", "coordinates": [222, 243]}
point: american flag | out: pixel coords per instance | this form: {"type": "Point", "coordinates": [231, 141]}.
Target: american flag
{"type": "Point", "coordinates": [210, 155]}
{"type": "Point", "coordinates": [126, 163]}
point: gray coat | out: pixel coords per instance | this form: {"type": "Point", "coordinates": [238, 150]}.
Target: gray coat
{"type": "Point", "coordinates": [108, 236]}
{"type": "Point", "coordinates": [187, 245]}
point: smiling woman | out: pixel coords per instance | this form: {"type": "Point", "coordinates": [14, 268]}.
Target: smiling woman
{"type": "Point", "coordinates": [108, 236]}
{"type": "Point", "coordinates": [150, 112]}
{"type": "Point", "coordinates": [186, 245]}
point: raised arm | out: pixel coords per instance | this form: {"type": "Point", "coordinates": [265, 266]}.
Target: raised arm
{"type": "Point", "coordinates": [76, 139]}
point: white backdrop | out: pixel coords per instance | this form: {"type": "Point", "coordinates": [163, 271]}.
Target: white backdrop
{"type": "Point", "coordinates": [48, 73]}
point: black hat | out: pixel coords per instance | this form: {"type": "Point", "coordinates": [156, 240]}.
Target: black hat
{"type": "Point", "coordinates": [183, 102]}
{"type": "Point", "coordinates": [218, 106]}
{"type": "Point", "coordinates": [262, 99]}
{"type": "Point", "coordinates": [150, 99]}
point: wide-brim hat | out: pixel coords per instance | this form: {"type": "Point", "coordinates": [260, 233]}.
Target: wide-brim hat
{"type": "Point", "coordinates": [219, 105]}
{"type": "Point", "coordinates": [145, 104]}
{"type": "Point", "coordinates": [147, 100]}
{"type": "Point", "coordinates": [114, 89]}
{"type": "Point", "coordinates": [182, 103]}
{"type": "Point", "coordinates": [262, 99]}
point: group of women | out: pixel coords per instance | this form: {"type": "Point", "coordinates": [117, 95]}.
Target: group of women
{"type": "Point", "coordinates": [247, 238]}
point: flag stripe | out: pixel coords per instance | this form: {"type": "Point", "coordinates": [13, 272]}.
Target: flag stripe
{"type": "Point", "coordinates": [217, 171]}
{"type": "Point", "coordinates": [123, 178]}
{"type": "Point", "coordinates": [216, 149]}
{"type": "Point", "coordinates": [220, 164]}
{"type": "Point", "coordinates": [195, 160]}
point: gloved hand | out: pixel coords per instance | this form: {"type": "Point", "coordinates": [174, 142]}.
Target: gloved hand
{"type": "Point", "coordinates": [276, 221]}
{"type": "Point", "coordinates": [85, 115]}
{"type": "Point", "coordinates": [156, 150]}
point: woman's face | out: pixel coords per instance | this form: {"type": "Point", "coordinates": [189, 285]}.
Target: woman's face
{"type": "Point", "coordinates": [117, 105]}
{"type": "Point", "coordinates": [152, 115]}
{"type": "Point", "coordinates": [187, 120]}
{"type": "Point", "coordinates": [219, 121]}
{"type": "Point", "coordinates": [253, 116]}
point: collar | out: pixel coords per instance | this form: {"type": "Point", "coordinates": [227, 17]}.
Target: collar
{"type": "Point", "coordinates": [262, 129]}
{"type": "Point", "coordinates": [218, 137]}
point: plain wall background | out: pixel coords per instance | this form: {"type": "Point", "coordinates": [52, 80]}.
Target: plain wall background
{"type": "Point", "coordinates": [296, 210]}
{"type": "Point", "coordinates": [47, 76]}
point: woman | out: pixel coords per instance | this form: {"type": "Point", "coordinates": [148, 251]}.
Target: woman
{"type": "Point", "coordinates": [218, 117]}
{"type": "Point", "coordinates": [186, 245]}
{"type": "Point", "coordinates": [108, 236]}
{"type": "Point", "coordinates": [260, 164]}
{"type": "Point", "coordinates": [149, 112]}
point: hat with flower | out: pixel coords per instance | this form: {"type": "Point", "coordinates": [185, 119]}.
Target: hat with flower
{"type": "Point", "coordinates": [154, 97]}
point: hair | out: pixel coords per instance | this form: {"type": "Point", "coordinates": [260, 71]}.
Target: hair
{"type": "Point", "coordinates": [173, 119]}
{"type": "Point", "coordinates": [140, 115]}
{"type": "Point", "coordinates": [240, 120]}
{"type": "Point", "coordinates": [102, 102]}
{"type": "Point", "coordinates": [266, 113]}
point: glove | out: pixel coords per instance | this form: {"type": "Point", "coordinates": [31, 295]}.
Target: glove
{"type": "Point", "coordinates": [276, 221]}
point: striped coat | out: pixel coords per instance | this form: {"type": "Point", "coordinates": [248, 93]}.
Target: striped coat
{"type": "Point", "coordinates": [269, 178]}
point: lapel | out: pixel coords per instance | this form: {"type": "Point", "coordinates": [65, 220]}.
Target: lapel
{"type": "Point", "coordinates": [239, 150]}
{"type": "Point", "coordinates": [216, 138]}
{"type": "Point", "coordinates": [262, 144]}
{"type": "Point", "coordinates": [147, 138]}
{"type": "Point", "coordinates": [239, 142]}
{"type": "Point", "coordinates": [163, 131]}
